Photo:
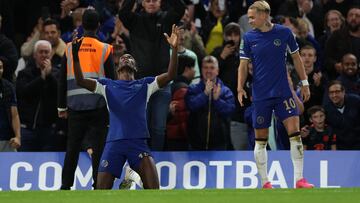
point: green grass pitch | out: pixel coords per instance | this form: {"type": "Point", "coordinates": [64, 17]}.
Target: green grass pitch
{"type": "Point", "coordinates": [317, 195]}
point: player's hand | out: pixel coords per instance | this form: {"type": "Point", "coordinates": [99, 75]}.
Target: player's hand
{"type": "Point", "coordinates": [173, 40]}
{"type": "Point", "coordinates": [63, 114]}
{"type": "Point", "coordinates": [76, 44]}
{"type": "Point", "coordinates": [305, 93]}
{"type": "Point", "coordinates": [15, 142]}
{"type": "Point", "coordinates": [241, 94]}
{"type": "Point", "coordinates": [216, 91]}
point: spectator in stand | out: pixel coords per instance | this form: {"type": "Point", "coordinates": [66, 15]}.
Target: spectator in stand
{"type": "Point", "coordinates": [211, 104]}
{"type": "Point", "coordinates": [307, 10]}
{"type": "Point", "coordinates": [334, 20]}
{"type": "Point", "coordinates": [346, 40]}
{"type": "Point", "coordinates": [349, 77]}
{"type": "Point", "coordinates": [228, 57]}
{"type": "Point", "coordinates": [9, 117]}
{"type": "Point", "coordinates": [213, 24]}
{"type": "Point", "coordinates": [152, 52]}
{"type": "Point", "coordinates": [48, 30]}
{"type": "Point", "coordinates": [343, 114]}
{"type": "Point", "coordinates": [341, 5]}
{"type": "Point", "coordinates": [8, 56]}
{"type": "Point", "coordinates": [317, 80]}
{"type": "Point", "coordinates": [36, 89]}
{"type": "Point", "coordinates": [318, 136]}
{"type": "Point", "coordinates": [192, 39]}
{"type": "Point", "coordinates": [304, 38]}
{"type": "Point", "coordinates": [177, 125]}
{"type": "Point", "coordinates": [182, 50]}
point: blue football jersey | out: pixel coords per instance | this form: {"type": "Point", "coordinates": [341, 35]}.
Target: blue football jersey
{"type": "Point", "coordinates": [267, 52]}
{"type": "Point", "coordinates": [127, 101]}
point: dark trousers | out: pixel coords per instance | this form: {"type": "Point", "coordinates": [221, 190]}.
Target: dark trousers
{"type": "Point", "coordinates": [92, 123]}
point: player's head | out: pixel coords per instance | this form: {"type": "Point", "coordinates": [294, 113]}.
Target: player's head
{"type": "Point", "coordinates": [317, 116]}
{"type": "Point", "coordinates": [209, 68]}
{"type": "Point", "coordinates": [186, 66]}
{"type": "Point", "coordinates": [258, 14]}
{"type": "Point", "coordinates": [90, 20]}
{"type": "Point", "coordinates": [349, 65]}
{"type": "Point", "coordinates": [151, 6]}
{"type": "Point", "coordinates": [336, 93]}
{"type": "Point", "coordinates": [308, 56]}
{"type": "Point", "coordinates": [126, 68]}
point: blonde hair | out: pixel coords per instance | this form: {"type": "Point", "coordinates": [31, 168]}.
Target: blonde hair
{"type": "Point", "coordinates": [261, 6]}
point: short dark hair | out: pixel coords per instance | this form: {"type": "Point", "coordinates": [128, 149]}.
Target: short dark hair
{"type": "Point", "coordinates": [308, 46]}
{"type": "Point", "coordinates": [232, 28]}
{"type": "Point", "coordinates": [184, 61]}
{"type": "Point", "coordinates": [90, 20]}
{"type": "Point", "coordinates": [336, 82]}
{"type": "Point", "coordinates": [312, 110]}
{"type": "Point", "coordinates": [51, 21]}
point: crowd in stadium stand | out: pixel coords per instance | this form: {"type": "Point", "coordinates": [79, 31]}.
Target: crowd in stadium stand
{"type": "Point", "coordinates": [33, 44]}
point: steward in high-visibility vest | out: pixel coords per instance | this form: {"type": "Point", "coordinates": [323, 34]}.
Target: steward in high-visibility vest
{"type": "Point", "coordinates": [86, 112]}
{"type": "Point", "coordinates": [92, 55]}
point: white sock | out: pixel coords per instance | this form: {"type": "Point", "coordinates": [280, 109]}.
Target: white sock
{"type": "Point", "coordinates": [260, 154]}
{"type": "Point", "coordinates": [132, 175]}
{"type": "Point", "coordinates": [297, 156]}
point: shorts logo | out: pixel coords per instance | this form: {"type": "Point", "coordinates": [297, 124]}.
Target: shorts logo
{"type": "Point", "coordinates": [277, 42]}
{"type": "Point", "coordinates": [104, 163]}
{"type": "Point", "coordinates": [144, 154]}
{"type": "Point", "coordinates": [260, 120]}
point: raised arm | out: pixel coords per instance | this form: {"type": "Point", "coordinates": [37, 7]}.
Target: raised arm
{"type": "Point", "coordinates": [173, 40]}
{"type": "Point", "coordinates": [79, 77]}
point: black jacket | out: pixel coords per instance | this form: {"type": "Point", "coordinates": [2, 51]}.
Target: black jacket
{"type": "Point", "coordinates": [346, 125]}
{"type": "Point", "coordinates": [37, 98]}
{"type": "Point", "coordinates": [7, 95]}
{"type": "Point", "coordinates": [9, 57]}
{"type": "Point", "coordinates": [148, 44]}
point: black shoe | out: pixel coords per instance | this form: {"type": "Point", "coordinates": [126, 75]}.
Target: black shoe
{"type": "Point", "coordinates": [64, 188]}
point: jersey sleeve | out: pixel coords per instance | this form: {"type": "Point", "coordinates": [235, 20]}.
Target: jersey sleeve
{"type": "Point", "coordinates": [100, 86]}
{"type": "Point", "coordinates": [244, 48]}
{"type": "Point", "coordinates": [293, 46]}
{"type": "Point", "coordinates": [152, 86]}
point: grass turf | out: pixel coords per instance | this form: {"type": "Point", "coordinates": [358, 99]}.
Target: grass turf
{"type": "Point", "coordinates": [182, 196]}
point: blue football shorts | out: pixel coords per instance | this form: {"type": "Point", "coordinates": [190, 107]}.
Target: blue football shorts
{"type": "Point", "coordinates": [116, 153]}
{"type": "Point", "coordinates": [284, 107]}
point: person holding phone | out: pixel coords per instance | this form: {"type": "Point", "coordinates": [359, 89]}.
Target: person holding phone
{"type": "Point", "coordinates": [228, 57]}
